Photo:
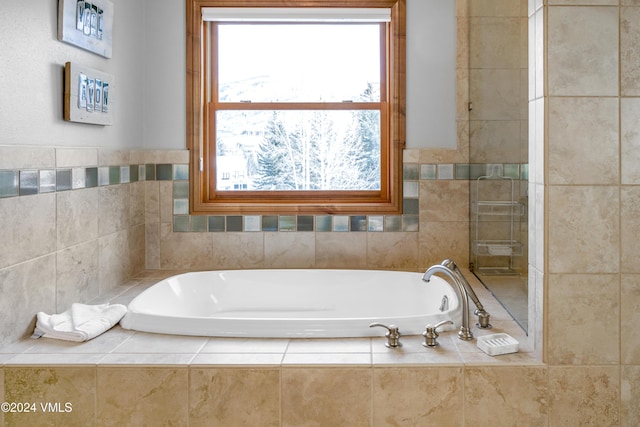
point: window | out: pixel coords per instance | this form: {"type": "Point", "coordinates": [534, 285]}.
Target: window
{"type": "Point", "coordinates": [295, 109]}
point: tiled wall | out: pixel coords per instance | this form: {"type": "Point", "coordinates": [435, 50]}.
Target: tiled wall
{"type": "Point", "coordinates": [289, 397]}
{"type": "Point", "coordinates": [584, 204]}
{"type": "Point", "coordinates": [72, 228]}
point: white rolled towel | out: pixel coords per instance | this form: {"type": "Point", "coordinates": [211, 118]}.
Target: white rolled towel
{"type": "Point", "coordinates": [80, 323]}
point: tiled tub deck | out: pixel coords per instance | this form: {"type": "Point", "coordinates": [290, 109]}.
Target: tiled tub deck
{"type": "Point", "coordinates": [131, 378]}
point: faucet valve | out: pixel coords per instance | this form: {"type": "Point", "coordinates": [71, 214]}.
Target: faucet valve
{"type": "Point", "coordinates": [483, 319]}
{"type": "Point", "coordinates": [431, 334]}
{"type": "Point", "coordinates": [393, 336]}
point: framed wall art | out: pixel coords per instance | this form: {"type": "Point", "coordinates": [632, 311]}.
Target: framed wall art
{"type": "Point", "coordinates": [87, 24]}
{"type": "Point", "coordinates": [88, 95]}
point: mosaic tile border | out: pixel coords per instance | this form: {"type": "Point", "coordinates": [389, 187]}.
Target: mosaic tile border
{"type": "Point", "coordinates": [17, 183]}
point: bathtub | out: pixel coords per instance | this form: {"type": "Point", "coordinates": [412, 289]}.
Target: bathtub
{"type": "Point", "coordinates": [292, 304]}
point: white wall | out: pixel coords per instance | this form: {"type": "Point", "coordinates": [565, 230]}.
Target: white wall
{"type": "Point", "coordinates": [431, 74]}
{"type": "Point", "coordinates": [32, 78]}
{"type": "Point", "coordinates": [148, 65]}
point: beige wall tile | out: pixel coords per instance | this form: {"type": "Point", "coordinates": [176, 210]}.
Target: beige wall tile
{"type": "Point", "coordinates": [166, 201]}
{"type": "Point", "coordinates": [441, 240]}
{"type": "Point", "coordinates": [12, 157]}
{"type": "Point", "coordinates": [495, 7]}
{"type": "Point", "coordinates": [495, 94]}
{"type": "Point", "coordinates": [629, 55]}
{"type": "Point", "coordinates": [26, 288]}
{"type": "Point", "coordinates": [582, 51]}
{"type": "Point", "coordinates": [426, 396]}
{"type": "Point", "coordinates": [444, 200]}
{"type": "Point", "coordinates": [228, 397]}
{"type": "Point", "coordinates": [238, 250]}
{"type": "Point", "coordinates": [136, 204]}
{"type": "Point", "coordinates": [580, 396]}
{"type": "Point", "coordinates": [498, 396]}
{"type": "Point", "coordinates": [76, 216]}
{"type": "Point", "coordinates": [113, 157]}
{"type": "Point", "coordinates": [630, 139]}
{"type": "Point", "coordinates": [152, 201]}
{"type": "Point", "coordinates": [583, 141]}
{"type": "Point", "coordinates": [142, 396]}
{"type": "Point", "coordinates": [492, 141]}
{"type": "Point", "coordinates": [582, 227]}
{"type": "Point", "coordinates": [166, 156]}
{"type": "Point", "coordinates": [114, 209]}
{"type": "Point", "coordinates": [630, 319]}
{"type": "Point", "coordinates": [392, 251]}
{"type": "Point", "coordinates": [341, 250]}
{"type": "Point", "coordinates": [28, 227]}
{"type": "Point", "coordinates": [630, 396]}
{"type": "Point", "coordinates": [495, 41]}
{"type": "Point", "coordinates": [113, 260]}
{"type": "Point", "coordinates": [76, 157]}
{"type": "Point", "coordinates": [630, 224]}
{"type": "Point", "coordinates": [76, 275]}
{"type": "Point", "coordinates": [75, 386]}
{"type": "Point", "coordinates": [584, 2]}
{"type": "Point", "coordinates": [344, 396]}
{"type": "Point", "coordinates": [152, 245]}
{"type": "Point", "coordinates": [571, 303]}
{"type": "Point", "coordinates": [289, 250]}
{"type": "Point", "coordinates": [137, 248]}
{"type": "Point", "coordinates": [185, 250]}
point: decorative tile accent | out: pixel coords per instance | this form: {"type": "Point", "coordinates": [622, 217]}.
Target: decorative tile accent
{"type": "Point", "coordinates": [91, 177]}
{"type": "Point", "coordinates": [269, 223]}
{"type": "Point", "coordinates": [216, 223]}
{"type": "Point", "coordinates": [180, 172]}
{"type": "Point", "coordinates": [445, 171]}
{"type": "Point", "coordinates": [410, 189]}
{"type": "Point", "coordinates": [63, 179]}
{"type": "Point", "coordinates": [323, 223]}
{"type": "Point", "coordinates": [47, 181]}
{"type": "Point", "coordinates": [340, 223]}
{"type": "Point", "coordinates": [28, 183]}
{"type": "Point", "coordinates": [287, 223]}
{"type": "Point", "coordinates": [164, 172]}
{"type": "Point", "coordinates": [9, 183]}
{"type": "Point", "coordinates": [376, 223]}
{"type": "Point", "coordinates": [428, 172]}
{"type": "Point", "coordinates": [234, 223]}
{"type": "Point", "coordinates": [103, 176]}
{"type": "Point", "coordinates": [114, 175]}
{"type": "Point", "coordinates": [305, 223]}
{"type": "Point", "coordinates": [198, 223]}
{"type": "Point", "coordinates": [252, 223]}
{"type": "Point", "coordinates": [358, 223]}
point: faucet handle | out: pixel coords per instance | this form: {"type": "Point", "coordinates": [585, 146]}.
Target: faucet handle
{"type": "Point", "coordinates": [431, 334]}
{"type": "Point", "coordinates": [393, 336]}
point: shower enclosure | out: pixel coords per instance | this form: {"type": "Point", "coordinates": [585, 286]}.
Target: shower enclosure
{"type": "Point", "coordinates": [498, 150]}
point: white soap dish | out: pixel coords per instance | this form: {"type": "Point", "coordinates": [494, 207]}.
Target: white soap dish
{"type": "Point", "coordinates": [496, 344]}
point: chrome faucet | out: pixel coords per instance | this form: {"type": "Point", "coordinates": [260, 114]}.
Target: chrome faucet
{"type": "Point", "coordinates": [464, 333]}
{"type": "Point", "coordinates": [483, 317]}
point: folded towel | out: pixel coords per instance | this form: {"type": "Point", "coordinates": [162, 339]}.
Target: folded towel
{"type": "Point", "coordinates": [81, 323]}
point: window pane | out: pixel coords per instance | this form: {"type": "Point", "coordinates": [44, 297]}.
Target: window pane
{"type": "Point", "coordinates": [298, 63]}
{"type": "Point", "coordinates": [298, 150]}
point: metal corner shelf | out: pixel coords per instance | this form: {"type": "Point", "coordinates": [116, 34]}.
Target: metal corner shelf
{"type": "Point", "coordinates": [505, 245]}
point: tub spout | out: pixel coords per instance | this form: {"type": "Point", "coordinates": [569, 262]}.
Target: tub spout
{"type": "Point", "coordinates": [483, 316]}
{"type": "Point", "coordinates": [464, 333]}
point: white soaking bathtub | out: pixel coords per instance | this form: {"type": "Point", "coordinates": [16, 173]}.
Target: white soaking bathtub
{"type": "Point", "coordinates": [292, 303]}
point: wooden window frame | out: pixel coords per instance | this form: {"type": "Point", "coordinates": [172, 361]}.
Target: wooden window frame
{"type": "Point", "coordinates": [203, 198]}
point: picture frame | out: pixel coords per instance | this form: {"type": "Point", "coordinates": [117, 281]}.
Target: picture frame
{"type": "Point", "coordinates": [88, 95]}
{"type": "Point", "coordinates": [87, 25]}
